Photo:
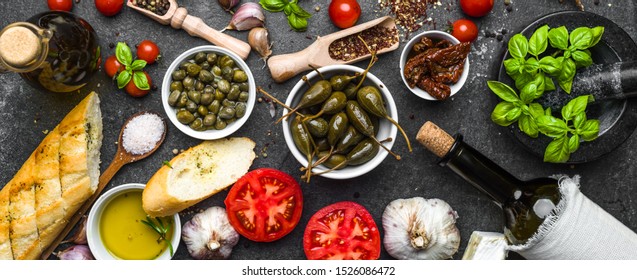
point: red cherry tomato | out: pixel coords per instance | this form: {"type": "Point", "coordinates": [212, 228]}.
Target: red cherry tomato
{"type": "Point", "coordinates": [148, 50]}
{"type": "Point", "coordinates": [344, 13]}
{"type": "Point", "coordinates": [134, 91]}
{"type": "Point", "coordinates": [60, 5]}
{"type": "Point", "coordinates": [465, 30]}
{"type": "Point", "coordinates": [342, 231]}
{"type": "Point", "coordinates": [112, 66]}
{"type": "Point", "coordinates": [264, 205]}
{"type": "Point", "coordinates": [476, 8]}
{"type": "Point", "coordinates": [109, 7]}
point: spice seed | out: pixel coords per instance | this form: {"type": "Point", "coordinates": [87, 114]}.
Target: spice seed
{"type": "Point", "coordinates": [351, 47]}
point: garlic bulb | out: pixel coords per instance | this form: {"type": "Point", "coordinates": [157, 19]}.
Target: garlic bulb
{"type": "Point", "coordinates": [209, 235]}
{"type": "Point", "coordinates": [420, 229]}
{"type": "Point", "coordinates": [248, 16]}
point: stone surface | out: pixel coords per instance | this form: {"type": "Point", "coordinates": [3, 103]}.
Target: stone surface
{"type": "Point", "coordinates": [609, 181]}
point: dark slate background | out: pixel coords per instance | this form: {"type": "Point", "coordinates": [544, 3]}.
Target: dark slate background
{"type": "Point", "coordinates": [609, 181]}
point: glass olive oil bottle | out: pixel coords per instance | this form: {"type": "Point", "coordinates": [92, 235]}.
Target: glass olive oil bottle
{"type": "Point", "coordinates": [525, 203]}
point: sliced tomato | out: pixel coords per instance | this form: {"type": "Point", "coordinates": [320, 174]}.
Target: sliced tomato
{"type": "Point", "coordinates": [264, 205]}
{"type": "Point", "coordinates": [342, 231]}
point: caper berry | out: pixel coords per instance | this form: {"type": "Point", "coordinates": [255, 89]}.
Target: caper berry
{"type": "Point", "coordinates": [178, 75]}
{"type": "Point", "coordinates": [223, 86]}
{"type": "Point", "coordinates": [173, 97]}
{"type": "Point", "coordinates": [185, 117]}
{"type": "Point", "coordinates": [209, 120]}
{"type": "Point", "coordinates": [243, 96]}
{"type": "Point", "coordinates": [200, 57]}
{"type": "Point", "coordinates": [176, 85]}
{"type": "Point", "coordinates": [214, 107]}
{"type": "Point", "coordinates": [226, 113]}
{"type": "Point", "coordinates": [195, 96]}
{"type": "Point", "coordinates": [206, 98]}
{"type": "Point", "coordinates": [240, 109]}
{"type": "Point", "coordinates": [239, 76]}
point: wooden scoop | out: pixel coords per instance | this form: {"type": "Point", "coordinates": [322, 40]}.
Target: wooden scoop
{"type": "Point", "coordinates": [178, 18]}
{"type": "Point", "coordinates": [285, 66]}
{"type": "Point", "coordinates": [122, 157]}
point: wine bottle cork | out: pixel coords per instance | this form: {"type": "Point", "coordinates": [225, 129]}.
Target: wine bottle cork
{"type": "Point", "coordinates": [19, 46]}
{"type": "Point", "coordinates": [435, 139]}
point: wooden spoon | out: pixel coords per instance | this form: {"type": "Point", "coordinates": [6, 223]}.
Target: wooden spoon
{"type": "Point", "coordinates": [122, 157]}
{"type": "Point", "coordinates": [178, 17]}
{"type": "Point", "coordinates": [285, 66]}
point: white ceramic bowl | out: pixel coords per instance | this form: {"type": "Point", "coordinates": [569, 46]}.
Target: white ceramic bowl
{"type": "Point", "coordinates": [93, 224]}
{"type": "Point", "coordinates": [171, 111]}
{"type": "Point", "coordinates": [434, 34]}
{"type": "Point", "coordinates": [386, 129]}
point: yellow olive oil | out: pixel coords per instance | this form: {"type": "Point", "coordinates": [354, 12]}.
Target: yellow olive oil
{"type": "Point", "coordinates": [123, 233]}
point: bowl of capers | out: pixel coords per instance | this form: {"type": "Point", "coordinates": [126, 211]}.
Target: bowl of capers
{"type": "Point", "coordinates": [208, 92]}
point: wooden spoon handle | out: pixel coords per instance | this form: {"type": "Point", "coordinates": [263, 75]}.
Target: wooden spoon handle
{"type": "Point", "coordinates": [106, 177]}
{"type": "Point", "coordinates": [285, 66]}
{"type": "Point", "coordinates": [196, 27]}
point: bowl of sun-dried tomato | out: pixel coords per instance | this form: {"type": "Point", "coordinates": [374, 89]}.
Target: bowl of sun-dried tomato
{"type": "Point", "coordinates": [434, 65]}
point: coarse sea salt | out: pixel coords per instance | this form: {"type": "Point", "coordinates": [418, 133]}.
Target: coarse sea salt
{"type": "Point", "coordinates": [142, 133]}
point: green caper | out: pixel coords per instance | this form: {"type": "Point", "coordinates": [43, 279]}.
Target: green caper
{"type": "Point", "coordinates": [209, 120]}
{"type": "Point", "coordinates": [184, 65]}
{"type": "Point", "coordinates": [216, 81]}
{"type": "Point", "coordinates": [226, 113]}
{"type": "Point", "coordinates": [206, 98]}
{"type": "Point", "coordinates": [173, 97]}
{"type": "Point", "coordinates": [234, 92]}
{"type": "Point", "coordinates": [194, 96]}
{"type": "Point", "coordinates": [211, 58]}
{"type": "Point", "coordinates": [216, 70]}
{"type": "Point", "coordinates": [200, 57]}
{"type": "Point", "coordinates": [178, 75]}
{"type": "Point", "coordinates": [197, 124]}
{"type": "Point", "coordinates": [188, 82]}
{"type": "Point", "coordinates": [205, 76]}
{"type": "Point", "coordinates": [185, 117]}
{"type": "Point", "coordinates": [239, 76]}
{"type": "Point", "coordinates": [183, 100]}
{"type": "Point", "coordinates": [176, 85]}
{"type": "Point", "coordinates": [240, 109]}
{"type": "Point", "coordinates": [231, 120]}
{"type": "Point", "coordinates": [202, 110]}
{"type": "Point", "coordinates": [209, 89]}
{"type": "Point", "coordinates": [225, 61]}
{"type": "Point", "coordinates": [243, 96]}
{"type": "Point", "coordinates": [214, 107]}
{"type": "Point", "coordinates": [227, 73]}
{"type": "Point", "coordinates": [244, 86]}
{"type": "Point", "coordinates": [223, 86]}
{"type": "Point", "coordinates": [191, 106]}
{"type": "Point", "coordinates": [228, 103]}
{"type": "Point", "coordinates": [219, 95]}
{"type": "Point", "coordinates": [220, 123]}
{"type": "Point", "coordinates": [193, 70]}
{"type": "Point", "coordinates": [199, 85]}
{"type": "Point", "coordinates": [205, 65]}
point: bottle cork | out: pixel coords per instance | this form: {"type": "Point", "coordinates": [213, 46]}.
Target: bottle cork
{"type": "Point", "coordinates": [19, 46]}
{"type": "Point", "coordinates": [435, 139]}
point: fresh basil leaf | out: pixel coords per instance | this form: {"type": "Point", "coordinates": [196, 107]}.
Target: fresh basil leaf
{"type": "Point", "coordinates": [514, 114]}
{"type": "Point", "coordinates": [528, 126]}
{"type": "Point", "coordinates": [528, 93]}
{"type": "Point", "coordinates": [138, 64]}
{"type": "Point", "coordinates": [597, 35]}
{"type": "Point", "coordinates": [567, 54]}
{"type": "Point", "coordinates": [140, 80]}
{"type": "Point", "coordinates": [123, 78]}
{"type": "Point", "coordinates": [575, 106]}
{"type": "Point", "coordinates": [581, 38]}
{"type": "Point", "coordinates": [565, 79]}
{"type": "Point", "coordinates": [558, 38]}
{"type": "Point", "coordinates": [299, 12]}
{"type": "Point", "coordinates": [288, 11]}
{"type": "Point", "coordinates": [582, 59]}
{"type": "Point", "coordinates": [522, 80]}
{"type": "Point", "coordinates": [273, 5]}
{"type": "Point", "coordinates": [539, 40]}
{"type": "Point", "coordinates": [518, 46]}
{"type": "Point", "coordinates": [551, 126]}
{"type": "Point", "coordinates": [550, 65]}
{"type": "Point", "coordinates": [579, 120]}
{"type": "Point", "coordinates": [589, 130]}
{"type": "Point", "coordinates": [123, 54]}
{"type": "Point", "coordinates": [557, 150]}
{"type": "Point", "coordinates": [512, 66]}
{"type": "Point", "coordinates": [548, 84]}
{"type": "Point", "coordinates": [547, 111]}
{"type": "Point", "coordinates": [297, 23]}
{"type": "Point", "coordinates": [573, 143]}
{"type": "Point", "coordinates": [500, 112]}
{"type": "Point", "coordinates": [536, 110]}
{"type": "Point", "coordinates": [531, 65]}
{"type": "Point", "coordinates": [503, 91]}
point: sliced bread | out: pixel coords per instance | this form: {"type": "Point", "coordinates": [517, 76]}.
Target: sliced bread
{"type": "Point", "coordinates": [197, 174]}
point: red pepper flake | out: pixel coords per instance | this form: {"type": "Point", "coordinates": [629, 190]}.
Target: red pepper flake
{"type": "Point", "coordinates": [409, 14]}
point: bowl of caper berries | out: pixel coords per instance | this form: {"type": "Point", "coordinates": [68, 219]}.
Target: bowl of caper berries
{"type": "Point", "coordinates": [208, 92]}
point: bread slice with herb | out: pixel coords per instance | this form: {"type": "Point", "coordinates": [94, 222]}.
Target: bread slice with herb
{"type": "Point", "coordinates": [197, 174]}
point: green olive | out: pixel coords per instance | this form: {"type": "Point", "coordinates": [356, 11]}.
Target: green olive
{"type": "Point", "coordinates": [202, 110]}
{"type": "Point", "coordinates": [214, 107]}
{"type": "Point", "coordinates": [234, 92]}
{"type": "Point", "coordinates": [223, 86]}
{"type": "Point", "coordinates": [244, 96]}
{"type": "Point", "coordinates": [178, 75]}
{"type": "Point", "coordinates": [205, 76]}
{"type": "Point", "coordinates": [173, 97]}
{"type": "Point", "coordinates": [194, 96]}
{"type": "Point", "coordinates": [220, 123]}
{"type": "Point", "coordinates": [185, 117]}
{"type": "Point", "coordinates": [176, 85]}
{"type": "Point", "coordinates": [191, 106]}
{"type": "Point", "coordinates": [227, 113]}
{"type": "Point", "coordinates": [200, 57]}
{"type": "Point", "coordinates": [206, 98]}
{"type": "Point", "coordinates": [227, 73]}
{"type": "Point", "coordinates": [211, 58]}
{"type": "Point", "coordinates": [197, 124]}
{"type": "Point", "coordinates": [240, 109]}
{"type": "Point", "coordinates": [239, 76]}
{"type": "Point", "coordinates": [209, 120]}
{"type": "Point", "coordinates": [183, 100]}
{"type": "Point", "coordinates": [188, 82]}
{"type": "Point", "coordinates": [219, 95]}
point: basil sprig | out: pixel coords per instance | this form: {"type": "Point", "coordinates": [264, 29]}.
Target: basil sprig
{"type": "Point", "coordinates": [297, 17]}
{"type": "Point", "coordinates": [133, 69]}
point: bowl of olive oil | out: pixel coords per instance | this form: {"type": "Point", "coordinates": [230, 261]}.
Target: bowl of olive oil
{"type": "Point", "coordinates": [119, 229]}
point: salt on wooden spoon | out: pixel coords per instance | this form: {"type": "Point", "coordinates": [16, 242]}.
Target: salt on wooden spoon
{"type": "Point", "coordinates": [130, 148]}
{"type": "Point", "coordinates": [285, 66]}
{"type": "Point", "coordinates": [179, 18]}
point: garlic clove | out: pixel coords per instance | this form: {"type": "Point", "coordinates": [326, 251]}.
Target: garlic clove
{"type": "Point", "coordinates": [228, 4]}
{"type": "Point", "coordinates": [209, 235]}
{"type": "Point", "coordinates": [419, 228]}
{"type": "Point", "coordinates": [75, 252]}
{"type": "Point", "coordinates": [259, 41]}
{"type": "Point", "coordinates": [248, 16]}
{"type": "Point", "coordinates": [79, 237]}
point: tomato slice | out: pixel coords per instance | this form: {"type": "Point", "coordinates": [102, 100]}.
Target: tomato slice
{"type": "Point", "coordinates": [264, 205]}
{"type": "Point", "coordinates": [342, 231]}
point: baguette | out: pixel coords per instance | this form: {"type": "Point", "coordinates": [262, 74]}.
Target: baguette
{"type": "Point", "coordinates": [197, 174]}
{"type": "Point", "coordinates": [58, 177]}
